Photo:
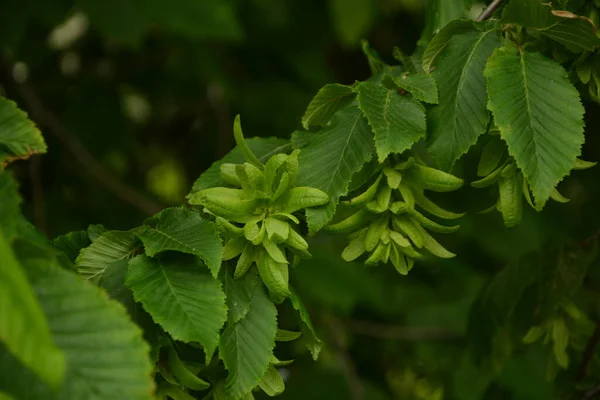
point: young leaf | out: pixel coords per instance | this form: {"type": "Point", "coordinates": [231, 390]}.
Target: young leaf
{"type": "Point", "coordinates": [239, 294]}
{"type": "Point", "coordinates": [313, 343]}
{"type": "Point", "coordinates": [272, 383]}
{"type": "Point", "coordinates": [106, 356]}
{"type": "Point", "coordinates": [19, 137]}
{"type": "Point", "coordinates": [539, 115]}
{"type": "Point", "coordinates": [328, 100]}
{"type": "Point", "coordinates": [440, 41]}
{"type": "Point", "coordinates": [246, 347]}
{"type": "Point", "coordinates": [186, 377]}
{"type": "Point", "coordinates": [576, 33]}
{"type": "Point", "coordinates": [23, 326]}
{"type": "Point", "coordinates": [72, 243]}
{"type": "Point", "coordinates": [330, 160]}
{"type": "Point", "coordinates": [398, 121]}
{"type": "Point", "coordinates": [187, 302]}
{"type": "Point", "coordinates": [421, 85]}
{"type": "Point", "coordinates": [108, 248]}
{"type": "Point", "coordinates": [249, 156]}
{"type": "Point", "coordinates": [182, 229]}
{"type": "Point", "coordinates": [461, 116]}
{"type": "Point", "coordinates": [95, 231]}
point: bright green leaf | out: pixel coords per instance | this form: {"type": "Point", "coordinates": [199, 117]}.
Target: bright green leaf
{"type": "Point", "coordinates": [398, 121]}
{"type": "Point", "coordinates": [246, 347]}
{"type": "Point", "coordinates": [328, 100]}
{"type": "Point", "coordinates": [539, 115]}
{"type": "Point", "coordinates": [187, 302]}
{"type": "Point", "coordinates": [421, 85]}
{"type": "Point", "coordinates": [184, 230]}
{"type": "Point", "coordinates": [461, 116]}
{"type": "Point", "coordinates": [331, 158]}
{"type": "Point", "coordinates": [19, 137]}
{"type": "Point", "coordinates": [313, 343]}
{"type": "Point", "coordinates": [272, 383]}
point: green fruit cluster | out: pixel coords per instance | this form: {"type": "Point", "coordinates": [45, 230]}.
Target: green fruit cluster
{"type": "Point", "coordinates": [385, 221]}
{"type": "Point", "coordinates": [256, 215]}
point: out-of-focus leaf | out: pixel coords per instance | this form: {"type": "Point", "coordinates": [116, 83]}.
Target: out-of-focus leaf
{"type": "Point", "coordinates": [10, 204]}
{"type": "Point", "coordinates": [19, 137]}
{"type": "Point", "coordinates": [352, 19]}
{"type": "Point", "coordinates": [72, 243]}
{"type": "Point", "coordinates": [441, 12]}
{"type": "Point", "coordinates": [313, 343]}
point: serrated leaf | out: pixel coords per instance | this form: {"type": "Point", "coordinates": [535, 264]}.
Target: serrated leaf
{"type": "Point", "coordinates": [246, 347]}
{"type": "Point", "coordinates": [19, 137]}
{"type": "Point", "coordinates": [108, 248]}
{"type": "Point", "coordinates": [184, 230]}
{"type": "Point", "coordinates": [398, 121]}
{"type": "Point", "coordinates": [575, 32]}
{"type": "Point", "coordinates": [261, 147]}
{"type": "Point", "coordinates": [72, 243]}
{"type": "Point", "coordinates": [313, 343]}
{"type": "Point", "coordinates": [23, 326]}
{"type": "Point", "coordinates": [106, 356]}
{"type": "Point", "coordinates": [272, 383]}
{"type": "Point", "coordinates": [331, 158]}
{"type": "Point", "coordinates": [181, 297]}
{"type": "Point", "coordinates": [461, 116]}
{"type": "Point", "coordinates": [328, 100]}
{"type": "Point", "coordinates": [421, 85]}
{"type": "Point", "coordinates": [439, 42]}
{"type": "Point", "coordinates": [539, 115]}
{"type": "Point", "coordinates": [239, 294]}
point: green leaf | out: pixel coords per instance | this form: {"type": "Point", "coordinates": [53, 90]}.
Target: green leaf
{"type": "Point", "coordinates": [106, 356]}
{"type": "Point", "coordinates": [421, 85]}
{"type": "Point", "coordinates": [441, 12]}
{"type": "Point", "coordinates": [313, 343]}
{"type": "Point", "coordinates": [72, 243]}
{"type": "Point", "coordinates": [95, 231]}
{"type": "Point", "coordinates": [186, 377]}
{"type": "Point", "coordinates": [539, 115]}
{"type": "Point", "coordinates": [461, 116]}
{"type": "Point", "coordinates": [10, 209]}
{"type": "Point", "coordinates": [23, 326]}
{"type": "Point", "coordinates": [239, 294]}
{"type": "Point", "coordinates": [352, 19]}
{"type": "Point", "coordinates": [259, 146]}
{"type": "Point", "coordinates": [246, 347]}
{"type": "Point", "coordinates": [398, 121]}
{"type": "Point", "coordinates": [182, 229]}
{"type": "Point", "coordinates": [330, 160]}
{"type": "Point", "coordinates": [439, 42]}
{"type": "Point", "coordinates": [575, 32]}
{"type": "Point", "coordinates": [328, 100]}
{"type": "Point", "coordinates": [187, 302]}
{"type": "Point", "coordinates": [108, 248]}
{"type": "Point", "coordinates": [287, 336]}
{"type": "Point", "coordinates": [19, 137]}
{"type": "Point", "coordinates": [272, 383]}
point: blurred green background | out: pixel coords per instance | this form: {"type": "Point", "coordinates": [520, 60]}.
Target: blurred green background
{"type": "Point", "coordinates": [136, 98]}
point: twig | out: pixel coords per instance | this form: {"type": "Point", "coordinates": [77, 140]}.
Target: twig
{"type": "Point", "coordinates": [348, 368]}
{"type": "Point", "coordinates": [411, 334]}
{"type": "Point", "coordinates": [487, 13]}
{"type": "Point", "coordinates": [37, 194]}
{"type": "Point", "coordinates": [44, 117]}
{"type": "Point", "coordinates": [588, 353]}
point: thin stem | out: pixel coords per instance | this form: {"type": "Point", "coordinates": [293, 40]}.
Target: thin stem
{"type": "Point", "coordinates": [487, 13]}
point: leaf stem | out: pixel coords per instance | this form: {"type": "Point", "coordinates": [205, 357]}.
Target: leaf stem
{"type": "Point", "coordinates": [487, 13]}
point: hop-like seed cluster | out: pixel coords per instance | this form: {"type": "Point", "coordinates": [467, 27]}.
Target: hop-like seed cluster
{"type": "Point", "coordinates": [385, 222]}
{"type": "Point", "coordinates": [256, 218]}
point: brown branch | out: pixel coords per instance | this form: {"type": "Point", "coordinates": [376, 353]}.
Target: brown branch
{"type": "Point", "coordinates": [348, 368]}
{"type": "Point", "coordinates": [588, 353]}
{"type": "Point", "coordinates": [45, 117]}
{"type": "Point", "coordinates": [487, 13]}
{"type": "Point", "coordinates": [411, 334]}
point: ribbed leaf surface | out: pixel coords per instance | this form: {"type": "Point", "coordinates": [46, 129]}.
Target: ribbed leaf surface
{"type": "Point", "coordinates": [19, 137]}
{"type": "Point", "coordinates": [461, 116]}
{"type": "Point", "coordinates": [398, 121]}
{"type": "Point", "coordinates": [328, 100]}
{"type": "Point", "coordinates": [246, 347]}
{"type": "Point", "coordinates": [182, 229]}
{"type": "Point", "coordinates": [181, 297]}
{"type": "Point", "coordinates": [239, 294]}
{"type": "Point", "coordinates": [438, 43]}
{"type": "Point", "coordinates": [539, 115]}
{"type": "Point", "coordinates": [421, 85]}
{"type": "Point", "coordinates": [331, 158]}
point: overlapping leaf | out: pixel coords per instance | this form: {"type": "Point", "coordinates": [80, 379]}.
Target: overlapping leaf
{"type": "Point", "coordinates": [328, 100]}
{"type": "Point", "coordinates": [23, 326]}
{"type": "Point", "coordinates": [182, 297]}
{"type": "Point", "coordinates": [441, 12]}
{"type": "Point", "coordinates": [239, 294]}
{"type": "Point", "coordinates": [421, 85]}
{"type": "Point", "coordinates": [439, 42]}
{"type": "Point", "coordinates": [331, 158]}
{"type": "Point", "coordinates": [539, 115]}
{"type": "Point", "coordinates": [461, 116]}
{"type": "Point", "coordinates": [576, 33]}
{"type": "Point", "coordinates": [19, 137]}
{"type": "Point", "coordinates": [313, 343]}
{"type": "Point", "coordinates": [72, 243]}
{"type": "Point", "coordinates": [246, 347]}
{"type": "Point", "coordinates": [182, 229]}
{"type": "Point", "coordinates": [398, 121]}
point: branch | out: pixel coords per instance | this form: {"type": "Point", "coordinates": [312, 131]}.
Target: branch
{"type": "Point", "coordinates": [46, 118]}
{"type": "Point", "coordinates": [588, 353]}
{"type": "Point", "coordinates": [411, 334]}
{"type": "Point", "coordinates": [487, 13]}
